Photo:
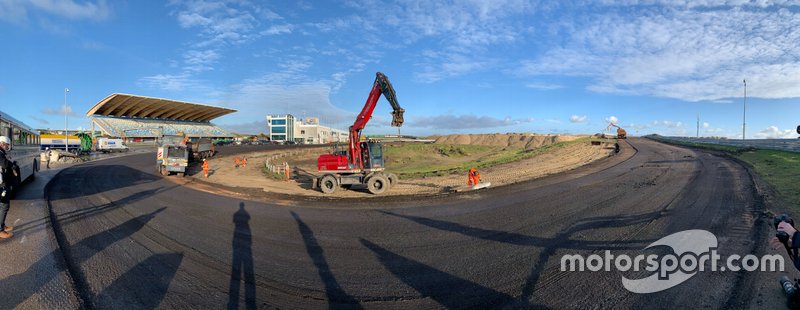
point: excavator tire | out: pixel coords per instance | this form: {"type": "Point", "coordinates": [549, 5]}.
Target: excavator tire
{"type": "Point", "coordinates": [392, 179]}
{"type": "Point", "coordinates": [377, 184]}
{"type": "Point", "coordinates": [328, 184]}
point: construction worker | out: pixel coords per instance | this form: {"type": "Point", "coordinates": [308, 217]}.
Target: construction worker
{"type": "Point", "coordinates": [474, 177]}
{"type": "Point", "coordinates": [236, 162]}
{"type": "Point", "coordinates": [205, 168]}
{"type": "Point", "coordinates": [47, 154]}
{"type": "Point", "coordinates": [6, 175]}
{"type": "Point", "coordinates": [244, 162]}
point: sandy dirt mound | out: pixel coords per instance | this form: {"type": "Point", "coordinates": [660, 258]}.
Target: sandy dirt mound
{"type": "Point", "coordinates": [303, 169]}
{"type": "Point", "coordinates": [522, 140]}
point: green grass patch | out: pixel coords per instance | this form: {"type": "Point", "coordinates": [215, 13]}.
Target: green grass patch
{"type": "Point", "coordinates": [421, 160]}
{"type": "Point", "coordinates": [273, 175]}
{"type": "Point", "coordinates": [780, 169]}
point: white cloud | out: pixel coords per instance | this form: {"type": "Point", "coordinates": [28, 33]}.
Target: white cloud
{"type": "Point", "coordinates": [773, 132]}
{"type": "Point", "coordinates": [438, 66]}
{"type": "Point", "coordinates": [689, 51]}
{"type": "Point", "coordinates": [706, 125]}
{"type": "Point", "coordinates": [17, 11]}
{"type": "Point", "coordinates": [39, 120]}
{"type": "Point", "coordinates": [465, 32]}
{"type": "Point", "coordinates": [287, 91]}
{"type": "Point", "coordinates": [169, 82]}
{"type": "Point", "coordinates": [544, 86]}
{"type": "Point", "coordinates": [612, 119]}
{"type": "Point", "coordinates": [278, 29]}
{"type": "Point", "coordinates": [449, 121]}
{"type": "Point", "coordinates": [61, 110]}
{"type": "Point", "coordinates": [578, 118]}
{"type": "Point", "coordinates": [669, 124]}
{"type": "Point", "coordinates": [200, 60]}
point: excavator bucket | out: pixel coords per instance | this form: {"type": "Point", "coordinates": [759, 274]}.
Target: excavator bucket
{"type": "Point", "coordinates": [388, 93]}
{"type": "Point", "coordinates": [397, 118]}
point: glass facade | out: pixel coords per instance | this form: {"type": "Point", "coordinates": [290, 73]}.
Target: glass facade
{"type": "Point", "coordinates": [281, 127]}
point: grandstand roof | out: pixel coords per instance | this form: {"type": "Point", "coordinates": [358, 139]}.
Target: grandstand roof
{"type": "Point", "coordinates": [124, 105]}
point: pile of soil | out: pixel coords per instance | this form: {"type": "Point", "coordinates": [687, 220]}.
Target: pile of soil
{"type": "Point", "coordinates": [303, 167]}
{"type": "Point", "coordinates": [525, 141]}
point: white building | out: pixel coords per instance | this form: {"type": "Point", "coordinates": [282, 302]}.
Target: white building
{"type": "Point", "coordinates": [307, 131]}
{"type": "Point", "coordinates": [281, 127]}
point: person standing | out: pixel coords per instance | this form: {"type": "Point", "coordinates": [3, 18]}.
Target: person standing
{"type": "Point", "coordinates": [205, 168]}
{"type": "Point", "coordinates": [47, 154]}
{"type": "Point", "coordinates": [5, 181]}
{"type": "Point", "coordinates": [474, 177]}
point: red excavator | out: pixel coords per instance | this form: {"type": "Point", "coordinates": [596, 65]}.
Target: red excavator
{"type": "Point", "coordinates": [363, 162]}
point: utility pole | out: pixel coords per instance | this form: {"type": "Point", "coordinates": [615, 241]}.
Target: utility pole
{"type": "Point", "coordinates": [744, 108]}
{"type": "Point", "coordinates": [698, 125]}
{"type": "Point", "coordinates": [66, 124]}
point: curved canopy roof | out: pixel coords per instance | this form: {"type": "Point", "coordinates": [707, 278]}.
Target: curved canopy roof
{"type": "Point", "coordinates": [123, 105]}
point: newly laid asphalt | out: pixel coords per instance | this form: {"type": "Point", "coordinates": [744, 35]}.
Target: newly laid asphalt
{"type": "Point", "coordinates": [129, 238]}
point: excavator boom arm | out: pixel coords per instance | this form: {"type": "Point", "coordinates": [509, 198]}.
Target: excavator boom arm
{"type": "Point", "coordinates": [380, 86]}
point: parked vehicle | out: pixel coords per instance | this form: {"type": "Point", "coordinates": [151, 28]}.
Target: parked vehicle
{"type": "Point", "coordinates": [172, 156]}
{"type": "Point", "coordinates": [107, 145]}
{"type": "Point", "coordinates": [201, 148]}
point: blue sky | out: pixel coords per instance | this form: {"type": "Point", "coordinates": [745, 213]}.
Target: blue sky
{"type": "Point", "coordinates": [457, 66]}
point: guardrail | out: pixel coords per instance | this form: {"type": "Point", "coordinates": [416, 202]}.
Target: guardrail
{"type": "Point", "coordinates": [791, 145]}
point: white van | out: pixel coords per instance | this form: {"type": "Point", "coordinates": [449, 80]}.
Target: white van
{"type": "Point", "coordinates": [106, 145]}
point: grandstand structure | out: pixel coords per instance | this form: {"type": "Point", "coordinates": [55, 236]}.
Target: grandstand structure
{"type": "Point", "coordinates": [143, 119]}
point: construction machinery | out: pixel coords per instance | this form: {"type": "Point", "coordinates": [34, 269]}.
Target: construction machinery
{"type": "Point", "coordinates": [362, 163]}
{"type": "Point", "coordinates": [202, 148]}
{"type": "Point", "coordinates": [621, 133]}
{"type": "Point", "coordinates": [172, 156]}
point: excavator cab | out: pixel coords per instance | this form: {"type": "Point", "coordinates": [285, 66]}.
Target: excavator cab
{"type": "Point", "coordinates": [372, 155]}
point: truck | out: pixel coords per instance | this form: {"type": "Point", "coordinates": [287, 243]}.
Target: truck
{"type": "Point", "coordinates": [172, 156]}
{"type": "Point", "coordinates": [201, 148]}
{"type": "Point", "coordinates": [362, 163]}
{"type": "Point", "coordinates": [107, 145]}
{"type": "Point", "coordinates": [621, 133]}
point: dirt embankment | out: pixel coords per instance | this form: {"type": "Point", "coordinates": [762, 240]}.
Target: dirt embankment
{"type": "Point", "coordinates": [526, 141]}
{"type": "Point", "coordinates": [303, 166]}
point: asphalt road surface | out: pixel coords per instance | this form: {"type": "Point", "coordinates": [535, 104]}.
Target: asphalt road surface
{"type": "Point", "coordinates": [133, 239]}
{"type": "Point", "coordinates": [791, 145]}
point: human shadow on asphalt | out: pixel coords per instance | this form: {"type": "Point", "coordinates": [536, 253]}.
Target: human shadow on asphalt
{"type": "Point", "coordinates": [127, 291]}
{"type": "Point", "coordinates": [40, 273]}
{"type": "Point", "coordinates": [336, 296]}
{"type": "Point", "coordinates": [448, 290]}
{"type": "Point", "coordinates": [550, 245]}
{"type": "Point", "coordinates": [242, 262]}
{"type": "Point", "coordinates": [97, 179]}
{"type": "Point", "coordinates": [83, 213]}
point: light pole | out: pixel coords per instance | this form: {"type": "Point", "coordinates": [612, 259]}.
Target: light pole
{"type": "Point", "coordinates": [744, 108]}
{"type": "Point", "coordinates": [66, 124]}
